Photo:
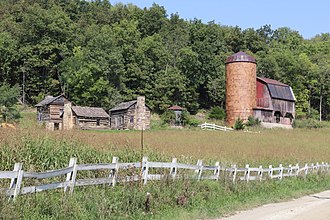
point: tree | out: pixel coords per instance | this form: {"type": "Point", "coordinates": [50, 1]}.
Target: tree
{"type": "Point", "coordinates": [8, 100]}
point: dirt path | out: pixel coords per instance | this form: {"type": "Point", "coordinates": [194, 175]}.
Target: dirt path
{"type": "Point", "coordinates": [316, 207]}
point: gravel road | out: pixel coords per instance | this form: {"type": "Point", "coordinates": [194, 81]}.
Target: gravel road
{"type": "Point", "coordinates": [312, 207]}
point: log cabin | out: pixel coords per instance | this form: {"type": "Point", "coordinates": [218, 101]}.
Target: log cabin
{"type": "Point", "coordinates": [131, 115]}
{"type": "Point", "coordinates": [50, 111]}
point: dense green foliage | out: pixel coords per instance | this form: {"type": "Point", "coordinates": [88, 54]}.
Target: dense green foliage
{"type": "Point", "coordinates": [98, 54]}
{"type": "Point", "coordinates": [8, 100]}
{"type": "Point", "coordinates": [217, 113]}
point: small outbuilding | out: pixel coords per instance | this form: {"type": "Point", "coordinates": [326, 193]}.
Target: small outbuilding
{"type": "Point", "coordinates": [131, 115]}
{"type": "Point", "coordinates": [50, 111]}
{"type": "Point", "coordinates": [275, 102]}
{"type": "Point", "coordinates": [178, 115]}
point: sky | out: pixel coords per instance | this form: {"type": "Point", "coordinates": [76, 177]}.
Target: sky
{"type": "Point", "coordinates": [309, 17]}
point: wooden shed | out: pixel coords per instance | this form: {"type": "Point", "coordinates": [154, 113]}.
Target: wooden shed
{"type": "Point", "coordinates": [275, 102]}
{"type": "Point", "coordinates": [131, 115]}
{"type": "Point", "coordinates": [50, 111]}
{"type": "Point", "coordinates": [90, 118]}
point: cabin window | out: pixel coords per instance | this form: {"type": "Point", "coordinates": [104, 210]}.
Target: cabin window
{"type": "Point", "coordinates": [122, 119]}
{"type": "Point", "coordinates": [131, 120]}
{"type": "Point", "coordinates": [98, 122]}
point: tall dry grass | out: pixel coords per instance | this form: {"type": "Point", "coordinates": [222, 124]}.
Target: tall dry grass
{"type": "Point", "coordinates": [266, 147]}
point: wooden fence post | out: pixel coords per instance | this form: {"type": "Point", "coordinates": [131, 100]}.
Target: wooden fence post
{"type": "Point", "coordinates": [174, 168]}
{"type": "Point", "coordinates": [247, 173]}
{"type": "Point", "coordinates": [327, 167]}
{"type": "Point", "coordinates": [72, 162]}
{"type": "Point", "coordinates": [290, 170]}
{"type": "Point", "coordinates": [199, 170]}
{"type": "Point", "coordinates": [297, 170]}
{"type": "Point", "coordinates": [18, 183]}
{"type": "Point", "coordinates": [234, 172]}
{"type": "Point", "coordinates": [260, 172]}
{"type": "Point", "coordinates": [114, 172]}
{"type": "Point", "coordinates": [145, 170]}
{"type": "Point", "coordinates": [216, 172]}
{"type": "Point", "coordinates": [15, 183]}
{"type": "Point", "coordinates": [306, 169]}
{"type": "Point", "coordinates": [17, 167]}
{"type": "Point", "coordinates": [270, 172]}
{"type": "Point", "coordinates": [281, 172]}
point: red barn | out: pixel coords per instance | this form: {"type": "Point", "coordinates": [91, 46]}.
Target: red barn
{"type": "Point", "coordinates": [275, 102]}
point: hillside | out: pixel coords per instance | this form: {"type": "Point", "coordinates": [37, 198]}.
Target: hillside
{"type": "Point", "coordinates": [99, 54]}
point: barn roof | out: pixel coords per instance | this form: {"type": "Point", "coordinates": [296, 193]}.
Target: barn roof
{"type": "Point", "coordinates": [48, 100]}
{"type": "Point", "coordinates": [123, 105]}
{"type": "Point", "coordinates": [89, 112]}
{"type": "Point", "coordinates": [277, 89]}
{"type": "Point", "coordinates": [175, 107]}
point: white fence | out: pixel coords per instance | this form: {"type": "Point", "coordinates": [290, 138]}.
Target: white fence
{"type": "Point", "coordinates": [19, 179]}
{"type": "Point", "coordinates": [215, 127]}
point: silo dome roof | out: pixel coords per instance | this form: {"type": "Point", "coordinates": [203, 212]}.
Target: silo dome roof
{"type": "Point", "coordinates": [240, 57]}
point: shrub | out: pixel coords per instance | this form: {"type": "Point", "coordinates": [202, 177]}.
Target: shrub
{"type": "Point", "coordinates": [168, 117]}
{"type": "Point", "coordinates": [187, 119]}
{"type": "Point", "coordinates": [252, 122]}
{"type": "Point", "coordinates": [239, 124]}
{"type": "Point", "coordinates": [217, 113]}
{"type": "Point", "coordinates": [307, 123]}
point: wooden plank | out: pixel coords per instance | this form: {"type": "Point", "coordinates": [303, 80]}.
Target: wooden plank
{"type": "Point", "coordinates": [8, 174]}
{"type": "Point", "coordinates": [160, 165]}
{"type": "Point", "coordinates": [33, 189]}
{"type": "Point", "coordinates": [129, 165]}
{"type": "Point", "coordinates": [90, 182]}
{"type": "Point", "coordinates": [48, 174]}
{"type": "Point", "coordinates": [187, 166]}
{"type": "Point", "coordinates": [107, 166]}
{"type": "Point", "coordinates": [72, 162]}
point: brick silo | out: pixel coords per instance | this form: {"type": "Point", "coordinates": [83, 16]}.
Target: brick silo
{"type": "Point", "coordinates": [240, 87]}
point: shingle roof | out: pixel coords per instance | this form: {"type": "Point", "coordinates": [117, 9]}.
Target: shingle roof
{"type": "Point", "coordinates": [89, 112]}
{"type": "Point", "coordinates": [48, 99]}
{"type": "Point", "coordinates": [123, 105]}
{"type": "Point", "coordinates": [278, 90]}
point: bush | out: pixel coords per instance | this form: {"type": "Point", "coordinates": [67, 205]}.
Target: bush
{"type": "Point", "coordinates": [168, 117]}
{"type": "Point", "coordinates": [308, 123]}
{"type": "Point", "coordinates": [217, 113]}
{"type": "Point", "coordinates": [252, 122]}
{"type": "Point", "coordinates": [187, 119]}
{"type": "Point", "coordinates": [239, 124]}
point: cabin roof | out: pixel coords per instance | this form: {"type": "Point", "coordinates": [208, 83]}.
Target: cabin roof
{"type": "Point", "coordinates": [123, 105]}
{"type": "Point", "coordinates": [277, 89]}
{"type": "Point", "coordinates": [90, 112]}
{"type": "Point", "coordinates": [48, 100]}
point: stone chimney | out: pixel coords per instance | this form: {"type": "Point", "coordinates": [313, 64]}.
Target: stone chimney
{"type": "Point", "coordinates": [140, 113]}
{"type": "Point", "coordinates": [67, 117]}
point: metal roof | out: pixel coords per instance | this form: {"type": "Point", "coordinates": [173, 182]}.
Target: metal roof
{"type": "Point", "coordinates": [240, 57]}
{"type": "Point", "coordinates": [175, 107]}
{"type": "Point", "coordinates": [89, 112]}
{"type": "Point", "coordinates": [278, 90]}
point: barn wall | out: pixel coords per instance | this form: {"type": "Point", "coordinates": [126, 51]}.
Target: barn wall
{"type": "Point", "coordinates": [91, 123]}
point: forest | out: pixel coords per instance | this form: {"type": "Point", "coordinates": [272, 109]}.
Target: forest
{"type": "Point", "coordinates": [99, 54]}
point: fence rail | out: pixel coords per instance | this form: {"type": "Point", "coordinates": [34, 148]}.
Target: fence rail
{"type": "Point", "coordinates": [19, 184]}
{"type": "Point", "coordinates": [209, 126]}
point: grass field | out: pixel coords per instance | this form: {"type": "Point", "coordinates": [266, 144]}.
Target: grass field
{"type": "Point", "coordinates": [43, 150]}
